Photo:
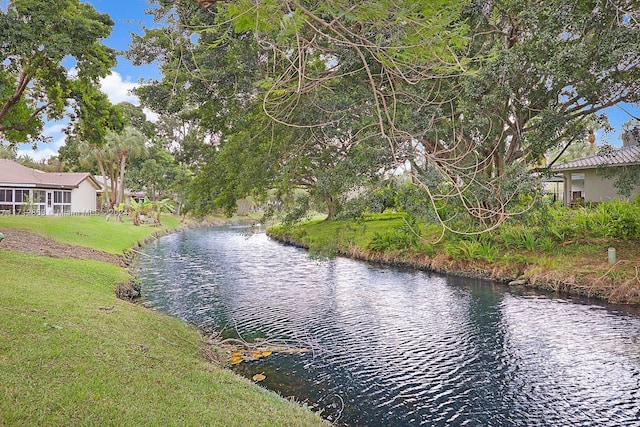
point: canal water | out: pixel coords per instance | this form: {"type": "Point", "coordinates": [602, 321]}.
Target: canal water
{"type": "Point", "coordinates": [390, 347]}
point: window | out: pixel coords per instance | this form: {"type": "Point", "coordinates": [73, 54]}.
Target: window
{"type": "Point", "coordinates": [39, 196]}
{"type": "Point", "coordinates": [22, 196]}
{"type": "Point", "coordinates": [61, 202]}
{"type": "Point", "coordinates": [28, 201]}
{"type": "Point", "coordinates": [6, 195]}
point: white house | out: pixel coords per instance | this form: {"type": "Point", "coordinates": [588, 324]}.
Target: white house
{"type": "Point", "coordinates": [26, 190]}
{"type": "Point", "coordinates": [582, 182]}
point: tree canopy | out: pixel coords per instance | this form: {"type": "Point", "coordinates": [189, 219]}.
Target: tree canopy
{"type": "Point", "coordinates": [41, 39]}
{"type": "Point", "coordinates": [470, 94]}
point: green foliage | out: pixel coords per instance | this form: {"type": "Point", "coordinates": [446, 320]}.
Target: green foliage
{"type": "Point", "coordinates": [37, 36]}
{"type": "Point", "coordinates": [414, 200]}
{"type": "Point", "coordinates": [325, 137]}
{"type": "Point", "coordinates": [469, 250]}
{"type": "Point", "coordinates": [146, 208]}
{"type": "Point", "coordinates": [392, 241]}
{"type": "Point", "coordinates": [615, 219]}
{"type": "Point", "coordinates": [487, 252]}
{"type": "Point", "coordinates": [299, 210]}
{"type": "Point", "coordinates": [471, 95]}
{"type": "Point", "coordinates": [376, 198]}
{"type": "Point", "coordinates": [519, 238]}
{"type": "Point", "coordinates": [546, 244]}
{"type": "Point", "coordinates": [620, 220]}
{"type": "Point", "coordinates": [402, 238]}
{"type": "Point", "coordinates": [462, 249]}
{"type": "Point", "coordinates": [159, 175]}
{"type": "Point", "coordinates": [97, 117]}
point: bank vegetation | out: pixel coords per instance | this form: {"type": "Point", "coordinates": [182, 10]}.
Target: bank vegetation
{"type": "Point", "coordinates": [72, 353]}
{"type": "Point", "coordinates": [552, 248]}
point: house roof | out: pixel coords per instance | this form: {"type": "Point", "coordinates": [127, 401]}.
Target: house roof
{"type": "Point", "coordinates": [13, 174]}
{"type": "Point", "coordinates": [620, 157]}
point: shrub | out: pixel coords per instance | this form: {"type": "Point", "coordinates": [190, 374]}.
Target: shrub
{"type": "Point", "coordinates": [486, 252]}
{"type": "Point", "coordinates": [546, 244]}
{"type": "Point", "coordinates": [625, 226]}
{"type": "Point", "coordinates": [621, 220]}
{"type": "Point", "coordinates": [404, 237]}
{"type": "Point", "coordinates": [414, 200]}
{"type": "Point", "coordinates": [394, 240]}
{"type": "Point", "coordinates": [462, 249]}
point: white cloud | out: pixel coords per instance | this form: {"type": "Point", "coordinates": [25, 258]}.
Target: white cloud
{"type": "Point", "coordinates": [54, 128]}
{"type": "Point", "coordinates": [58, 141]}
{"type": "Point", "coordinates": [119, 90]}
{"type": "Point", "coordinates": [38, 155]}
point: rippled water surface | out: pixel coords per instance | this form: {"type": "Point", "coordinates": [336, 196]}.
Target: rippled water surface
{"type": "Point", "coordinates": [402, 348]}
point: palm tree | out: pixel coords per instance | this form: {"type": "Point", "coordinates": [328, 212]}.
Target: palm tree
{"type": "Point", "coordinates": [112, 157]}
{"type": "Point", "coordinates": [130, 142]}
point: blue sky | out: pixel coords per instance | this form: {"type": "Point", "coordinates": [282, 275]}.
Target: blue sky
{"type": "Point", "coordinates": [129, 17]}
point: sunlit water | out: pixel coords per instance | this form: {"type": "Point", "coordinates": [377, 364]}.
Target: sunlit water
{"type": "Point", "coordinates": [402, 348]}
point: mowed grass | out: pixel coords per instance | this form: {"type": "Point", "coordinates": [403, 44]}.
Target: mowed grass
{"type": "Point", "coordinates": [71, 353]}
{"type": "Point", "coordinates": [91, 231]}
{"type": "Point", "coordinates": [320, 234]}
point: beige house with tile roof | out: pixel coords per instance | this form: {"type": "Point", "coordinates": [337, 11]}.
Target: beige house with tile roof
{"type": "Point", "coordinates": [26, 190]}
{"type": "Point", "coordinates": [583, 183]}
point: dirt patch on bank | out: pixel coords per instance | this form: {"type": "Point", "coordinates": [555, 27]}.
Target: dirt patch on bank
{"type": "Point", "coordinates": [29, 242]}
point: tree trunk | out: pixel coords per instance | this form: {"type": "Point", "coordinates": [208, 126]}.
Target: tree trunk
{"type": "Point", "coordinates": [107, 188]}
{"type": "Point", "coordinates": [123, 163]}
{"type": "Point", "coordinates": [332, 208]}
{"type": "Point", "coordinates": [113, 177]}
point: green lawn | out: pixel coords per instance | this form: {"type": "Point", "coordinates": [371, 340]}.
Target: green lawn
{"type": "Point", "coordinates": [71, 353]}
{"type": "Point", "coordinates": [92, 231]}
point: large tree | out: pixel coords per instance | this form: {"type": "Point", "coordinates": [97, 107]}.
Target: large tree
{"type": "Point", "coordinates": [472, 94]}
{"type": "Point", "coordinates": [41, 40]}
{"type": "Point", "coordinates": [555, 65]}
{"type": "Point", "coordinates": [554, 69]}
{"type": "Point", "coordinates": [542, 73]}
{"type": "Point", "coordinates": [322, 89]}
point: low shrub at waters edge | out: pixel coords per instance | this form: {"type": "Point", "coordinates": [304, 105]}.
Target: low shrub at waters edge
{"type": "Point", "coordinates": [71, 353]}
{"type": "Point", "coordinates": [567, 251]}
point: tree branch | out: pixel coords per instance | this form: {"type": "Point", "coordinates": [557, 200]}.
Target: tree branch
{"type": "Point", "coordinates": [13, 99]}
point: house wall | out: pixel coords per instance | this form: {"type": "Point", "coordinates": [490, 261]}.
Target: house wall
{"type": "Point", "coordinates": [83, 198]}
{"type": "Point", "coordinates": [599, 189]}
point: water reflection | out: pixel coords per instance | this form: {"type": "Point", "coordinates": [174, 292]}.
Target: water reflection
{"type": "Point", "coordinates": [393, 347]}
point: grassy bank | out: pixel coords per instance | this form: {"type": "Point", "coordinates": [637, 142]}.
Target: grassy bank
{"type": "Point", "coordinates": [89, 231]}
{"type": "Point", "coordinates": [567, 257]}
{"type": "Point", "coordinates": [71, 353]}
